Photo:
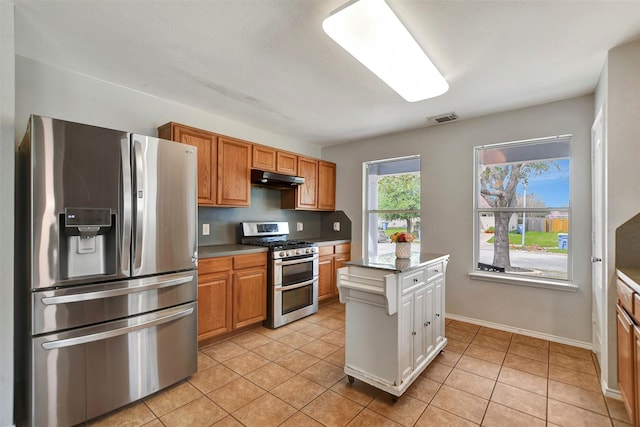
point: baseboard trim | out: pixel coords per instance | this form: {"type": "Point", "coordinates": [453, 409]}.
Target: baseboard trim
{"type": "Point", "coordinates": [534, 334]}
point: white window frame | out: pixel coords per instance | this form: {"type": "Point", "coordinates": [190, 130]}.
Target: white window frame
{"type": "Point", "coordinates": [515, 279]}
{"type": "Point", "coordinates": [366, 192]}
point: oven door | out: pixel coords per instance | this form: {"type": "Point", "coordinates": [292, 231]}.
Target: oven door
{"type": "Point", "coordinates": [294, 302]}
{"type": "Point", "coordinates": [295, 270]}
{"type": "Point", "coordinates": [296, 297]}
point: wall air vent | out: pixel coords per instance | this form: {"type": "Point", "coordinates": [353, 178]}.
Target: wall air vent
{"type": "Point", "coordinates": [445, 118]}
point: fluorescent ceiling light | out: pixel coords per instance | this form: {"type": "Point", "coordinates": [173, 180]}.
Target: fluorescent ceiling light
{"type": "Point", "coordinates": [373, 34]}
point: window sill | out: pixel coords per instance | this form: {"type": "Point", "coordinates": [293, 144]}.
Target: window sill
{"type": "Point", "coordinates": [525, 281]}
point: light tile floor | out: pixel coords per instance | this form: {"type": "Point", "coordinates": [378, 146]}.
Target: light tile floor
{"type": "Point", "coordinates": [293, 376]}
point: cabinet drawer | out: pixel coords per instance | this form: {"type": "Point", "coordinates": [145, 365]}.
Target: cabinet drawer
{"type": "Point", "coordinates": [249, 260]}
{"type": "Point", "coordinates": [625, 296]}
{"type": "Point", "coordinates": [412, 279]}
{"type": "Point", "coordinates": [214, 265]}
{"type": "Point", "coordinates": [344, 248]}
{"type": "Point", "coordinates": [325, 250]}
{"type": "Point", "coordinates": [435, 270]}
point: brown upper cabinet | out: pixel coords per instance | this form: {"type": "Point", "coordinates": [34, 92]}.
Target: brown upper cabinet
{"type": "Point", "coordinates": [326, 186]}
{"type": "Point", "coordinates": [286, 163]}
{"type": "Point", "coordinates": [272, 160]}
{"type": "Point", "coordinates": [206, 143]}
{"type": "Point", "coordinates": [224, 165]}
{"type": "Point", "coordinates": [319, 189]}
{"type": "Point", "coordinates": [234, 173]}
{"type": "Point", "coordinates": [224, 170]}
{"type": "Point", "coordinates": [264, 158]}
{"type": "Point", "coordinates": [305, 196]}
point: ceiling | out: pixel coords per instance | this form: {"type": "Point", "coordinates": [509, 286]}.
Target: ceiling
{"type": "Point", "coordinates": [268, 64]}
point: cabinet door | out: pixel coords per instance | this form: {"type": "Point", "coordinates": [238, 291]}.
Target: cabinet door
{"type": "Point", "coordinates": [420, 342]}
{"type": "Point", "coordinates": [263, 158]}
{"type": "Point", "coordinates": [206, 144]}
{"type": "Point", "coordinates": [214, 304]}
{"type": "Point", "coordinates": [438, 312]}
{"type": "Point", "coordinates": [326, 277]}
{"type": "Point", "coordinates": [626, 361]}
{"type": "Point", "coordinates": [286, 163]}
{"type": "Point", "coordinates": [636, 355]}
{"type": "Point", "coordinates": [249, 296]}
{"type": "Point", "coordinates": [326, 186]}
{"type": "Point", "coordinates": [429, 324]}
{"type": "Point", "coordinates": [406, 336]}
{"type": "Point", "coordinates": [307, 193]}
{"type": "Point", "coordinates": [339, 261]}
{"type": "Point", "coordinates": [234, 170]}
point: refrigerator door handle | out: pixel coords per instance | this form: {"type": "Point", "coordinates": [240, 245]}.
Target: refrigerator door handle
{"type": "Point", "coordinates": [139, 204]}
{"type": "Point", "coordinates": [84, 339]}
{"type": "Point", "coordinates": [87, 296]}
{"type": "Point", "coordinates": [125, 149]}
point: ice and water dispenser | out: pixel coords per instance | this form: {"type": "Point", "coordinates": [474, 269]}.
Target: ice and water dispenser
{"type": "Point", "coordinates": [88, 242]}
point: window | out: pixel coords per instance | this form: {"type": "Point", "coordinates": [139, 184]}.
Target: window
{"type": "Point", "coordinates": [392, 203]}
{"type": "Point", "coordinates": [522, 210]}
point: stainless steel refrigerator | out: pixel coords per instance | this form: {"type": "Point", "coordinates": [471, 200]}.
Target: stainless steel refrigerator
{"type": "Point", "coordinates": [106, 280]}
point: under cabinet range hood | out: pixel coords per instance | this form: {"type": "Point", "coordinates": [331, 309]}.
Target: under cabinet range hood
{"type": "Point", "coordinates": [276, 181]}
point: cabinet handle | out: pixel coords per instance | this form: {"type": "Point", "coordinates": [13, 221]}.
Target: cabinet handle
{"type": "Point", "coordinates": [413, 333]}
{"type": "Point", "coordinates": [427, 323]}
{"type": "Point", "coordinates": [415, 280]}
{"type": "Point", "coordinates": [436, 270]}
{"type": "Point", "coordinates": [437, 314]}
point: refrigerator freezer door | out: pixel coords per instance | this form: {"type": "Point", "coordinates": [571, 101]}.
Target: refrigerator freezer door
{"type": "Point", "coordinates": [86, 372]}
{"type": "Point", "coordinates": [66, 308]}
{"type": "Point", "coordinates": [164, 205]}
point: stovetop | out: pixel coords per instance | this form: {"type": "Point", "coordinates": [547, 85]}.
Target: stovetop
{"type": "Point", "coordinates": [282, 244]}
{"type": "Point", "coordinates": [273, 235]}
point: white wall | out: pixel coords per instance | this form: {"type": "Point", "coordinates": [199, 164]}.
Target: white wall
{"type": "Point", "coordinates": [7, 149]}
{"type": "Point", "coordinates": [447, 218]}
{"type": "Point", "coordinates": [51, 91]}
{"type": "Point", "coordinates": [619, 89]}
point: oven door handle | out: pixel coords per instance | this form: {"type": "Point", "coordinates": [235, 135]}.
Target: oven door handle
{"type": "Point", "coordinates": [300, 260]}
{"type": "Point", "coordinates": [296, 286]}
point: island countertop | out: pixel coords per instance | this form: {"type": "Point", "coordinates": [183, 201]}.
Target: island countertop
{"type": "Point", "coordinates": [391, 263]}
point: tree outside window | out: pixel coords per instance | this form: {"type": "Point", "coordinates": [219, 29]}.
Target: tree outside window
{"type": "Point", "coordinates": [522, 208]}
{"type": "Point", "coordinates": [392, 203]}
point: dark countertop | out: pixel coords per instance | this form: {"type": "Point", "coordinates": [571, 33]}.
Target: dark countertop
{"type": "Point", "coordinates": [391, 263]}
{"type": "Point", "coordinates": [212, 251]}
{"type": "Point", "coordinates": [631, 276]}
{"type": "Point", "coordinates": [326, 242]}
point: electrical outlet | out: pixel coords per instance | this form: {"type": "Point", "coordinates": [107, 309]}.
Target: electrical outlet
{"type": "Point", "coordinates": [299, 226]}
{"type": "Point", "coordinates": [336, 226]}
{"type": "Point", "coordinates": [205, 229]}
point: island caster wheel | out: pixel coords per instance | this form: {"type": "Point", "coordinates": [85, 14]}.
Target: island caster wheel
{"type": "Point", "coordinates": [351, 379]}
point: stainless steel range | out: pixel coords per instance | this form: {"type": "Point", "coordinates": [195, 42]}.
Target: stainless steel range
{"type": "Point", "coordinates": [292, 272]}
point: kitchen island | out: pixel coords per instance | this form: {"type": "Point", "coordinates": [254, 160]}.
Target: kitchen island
{"type": "Point", "coordinates": [394, 325]}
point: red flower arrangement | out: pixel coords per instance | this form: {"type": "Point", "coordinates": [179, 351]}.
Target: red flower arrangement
{"type": "Point", "coordinates": [401, 236]}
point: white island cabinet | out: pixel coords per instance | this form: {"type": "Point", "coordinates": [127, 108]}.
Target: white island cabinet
{"type": "Point", "coordinates": [394, 318]}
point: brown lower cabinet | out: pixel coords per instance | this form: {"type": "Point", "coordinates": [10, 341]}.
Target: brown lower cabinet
{"type": "Point", "coordinates": [232, 292]}
{"type": "Point", "coordinates": [628, 348]}
{"type": "Point", "coordinates": [626, 361]}
{"type": "Point", "coordinates": [331, 258]}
